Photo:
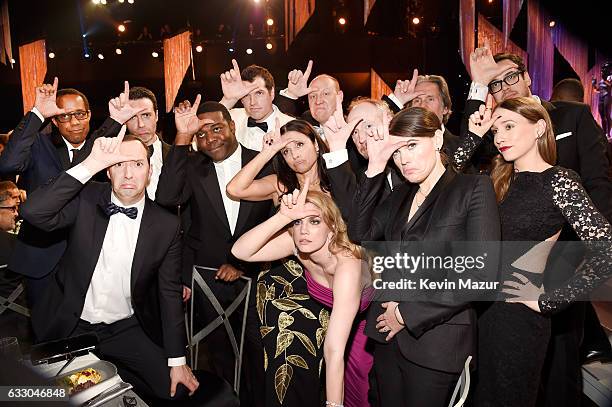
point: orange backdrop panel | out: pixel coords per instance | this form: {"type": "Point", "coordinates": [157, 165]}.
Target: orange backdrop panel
{"type": "Point", "coordinates": [177, 57]}
{"type": "Point", "coordinates": [33, 64]}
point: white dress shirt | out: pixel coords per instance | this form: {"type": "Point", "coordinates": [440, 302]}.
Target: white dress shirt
{"type": "Point", "coordinates": [226, 170]}
{"type": "Point", "coordinates": [109, 295]}
{"type": "Point", "coordinates": [69, 146]}
{"type": "Point", "coordinates": [156, 166]}
{"type": "Point", "coordinates": [252, 137]}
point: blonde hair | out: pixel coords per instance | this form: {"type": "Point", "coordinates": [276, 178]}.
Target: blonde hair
{"type": "Point", "coordinates": [332, 217]}
{"type": "Point", "coordinates": [503, 171]}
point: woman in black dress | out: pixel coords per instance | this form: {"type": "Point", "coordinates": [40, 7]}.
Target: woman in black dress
{"type": "Point", "coordinates": [535, 199]}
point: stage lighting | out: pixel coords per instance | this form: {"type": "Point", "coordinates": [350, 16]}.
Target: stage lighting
{"type": "Point", "coordinates": [154, 54]}
{"type": "Point", "coordinates": [199, 48]}
{"type": "Point", "coordinates": [118, 51]}
{"type": "Point", "coordinates": [51, 55]}
{"type": "Point", "coordinates": [269, 45]}
{"type": "Point", "coordinates": [121, 28]}
{"type": "Point", "coordinates": [103, 2]}
{"type": "Point", "coordinates": [84, 35]}
{"type": "Point", "coordinates": [552, 24]}
{"type": "Point", "coordinates": [95, 1]}
{"type": "Point", "coordinates": [416, 20]}
{"type": "Point", "coordinates": [342, 20]}
{"type": "Point", "coordinates": [249, 51]}
{"type": "Point", "coordinates": [270, 21]}
{"type": "Point", "coordinates": [100, 56]}
{"type": "Point", "coordinates": [87, 55]}
{"type": "Point", "coordinates": [131, 1]}
{"type": "Point", "coordinates": [13, 60]}
{"type": "Point", "coordinates": [121, 1]}
{"type": "Point", "coordinates": [231, 49]}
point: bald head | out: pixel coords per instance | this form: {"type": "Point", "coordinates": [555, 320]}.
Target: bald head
{"type": "Point", "coordinates": [322, 99]}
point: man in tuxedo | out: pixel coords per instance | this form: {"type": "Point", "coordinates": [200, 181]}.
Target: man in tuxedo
{"type": "Point", "coordinates": [144, 126]}
{"type": "Point", "coordinates": [37, 157]}
{"type": "Point", "coordinates": [119, 277]}
{"type": "Point", "coordinates": [254, 87]}
{"type": "Point", "coordinates": [199, 179]}
{"type": "Point", "coordinates": [9, 208]}
{"type": "Point", "coordinates": [581, 146]}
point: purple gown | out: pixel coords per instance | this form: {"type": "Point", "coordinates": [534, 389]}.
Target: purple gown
{"type": "Point", "coordinates": [358, 360]}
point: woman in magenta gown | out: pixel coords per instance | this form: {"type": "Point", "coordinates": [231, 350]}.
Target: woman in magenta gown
{"type": "Point", "coordinates": [310, 226]}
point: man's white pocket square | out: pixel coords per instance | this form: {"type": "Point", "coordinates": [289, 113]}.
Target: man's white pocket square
{"type": "Point", "coordinates": [563, 135]}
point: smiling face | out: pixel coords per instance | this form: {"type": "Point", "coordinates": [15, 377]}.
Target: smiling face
{"type": "Point", "coordinates": [301, 154]}
{"type": "Point", "coordinates": [217, 137]}
{"type": "Point", "coordinates": [418, 158]}
{"type": "Point", "coordinates": [511, 72]}
{"type": "Point", "coordinates": [144, 124]}
{"type": "Point", "coordinates": [258, 103]}
{"type": "Point", "coordinates": [322, 100]}
{"type": "Point", "coordinates": [515, 136]}
{"type": "Point", "coordinates": [430, 99]}
{"type": "Point", "coordinates": [129, 179]}
{"type": "Point", "coordinates": [74, 130]}
{"type": "Point", "coordinates": [311, 234]}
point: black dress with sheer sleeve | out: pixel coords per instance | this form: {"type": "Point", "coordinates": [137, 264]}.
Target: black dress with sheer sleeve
{"type": "Point", "coordinates": [513, 339]}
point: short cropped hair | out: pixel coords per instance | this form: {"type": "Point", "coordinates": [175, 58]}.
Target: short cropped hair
{"type": "Point", "coordinates": [5, 190]}
{"type": "Point", "coordinates": [374, 102]}
{"type": "Point", "coordinates": [253, 71]}
{"type": "Point", "coordinates": [149, 149]}
{"type": "Point", "coordinates": [140, 92]}
{"type": "Point", "coordinates": [211, 106]}
{"type": "Point", "coordinates": [569, 89]}
{"type": "Point", "coordinates": [71, 91]}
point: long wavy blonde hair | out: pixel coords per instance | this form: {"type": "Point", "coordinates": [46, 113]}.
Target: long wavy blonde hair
{"type": "Point", "coordinates": [332, 217]}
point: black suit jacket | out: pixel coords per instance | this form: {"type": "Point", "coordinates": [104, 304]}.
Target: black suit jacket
{"type": "Point", "coordinates": [460, 207]}
{"type": "Point", "coordinates": [155, 279]}
{"type": "Point", "coordinates": [581, 146]}
{"type": "Point", "coordinates": [190, 178]}
{"type": "Point", "coordinates": [38, 158]}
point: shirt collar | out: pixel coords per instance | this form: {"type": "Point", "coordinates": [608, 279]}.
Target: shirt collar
{"type": "Point", "coordinates": [70, 146]}
{"type": "Point", "coordinates": [235, 158]}
{"type": "Point", "coordinates": [139, 205]}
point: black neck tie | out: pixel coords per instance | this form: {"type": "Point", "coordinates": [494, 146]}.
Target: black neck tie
{"type": "Point", "coordinates": [110, 209]}
{"type": "Point", "coordinates": [74, 152]}
{"type": "Point", "coordinates": [252, 123]}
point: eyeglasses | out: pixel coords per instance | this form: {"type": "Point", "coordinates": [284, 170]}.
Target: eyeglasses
{"type": "Point", "coordinates": [10, 208]}
{"type": "Point", "coordinates": [66, 117]}
{"type": "Point", "coordinates": [510, 79]}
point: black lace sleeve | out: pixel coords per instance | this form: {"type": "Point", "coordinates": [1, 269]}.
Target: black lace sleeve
{"type": "Point", "coordinates": [590, 225]}
{"type": "Point", "coordinates": [463, 153]}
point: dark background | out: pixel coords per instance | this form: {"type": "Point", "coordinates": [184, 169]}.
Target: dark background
{"type": "Point", "coordinates": [389, 43]}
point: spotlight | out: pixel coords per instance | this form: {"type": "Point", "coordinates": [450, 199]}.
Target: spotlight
{"type": "Point", "coordinates": [103, 2]}
{"type": "Point", "coordinates": [416, 20]}
{"type": "Point", "coordinates": [51, 55]}
{"type": "Point", "coordinates": [100, 56]}
{"type": "Point", "coordinates": [13, 60]}
{"type": "Point", "coordinates": [121, 1]}
{"type": "Point", "coordinates": [154, 54]}
{"type": "Point", "coordinates": [199, 48]}
{"type": "Point", "coordinates": [552, 23]}
{"type": "Point", "coordinates": [95, 1]}
{"type": "Point", "coordinates": [121, 28]}
{"type": "Point", "coordinates": [269, 45]}
{"type": "Point", "coordinates": [231, 49]}
{"type": "Point", "coordinates": [118, 51]}
{"type": "Point", "coordinates": [270, 21]}
{"type": "Point", "coordinates": [87, 55]}
{"type": "Point", "coordinates": [84, 35]}
{"type": "Point", "coordinates": [490, 1]}
{"type": "Point", "coordinates": [342, 21]}
{"type": "Point", "coordinates": [131, 1]}
{"type": "Point", "coordinates": [249, 51]}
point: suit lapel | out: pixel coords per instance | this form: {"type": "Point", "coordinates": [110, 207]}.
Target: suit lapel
{"type": "Point", "coordinates": [99, 227]}
{"type": "Point", "coordinates": [431, 198]}
{"type": "Point", "coordinates": [62, 151]}
{"type": "Point", "coordinates": [404, 199]}
{"type": "Point", "coordinates": [213, 191]}
{"type": "Point", "coordinates": [141, 251]}
{"type": "Point", "coordinates": [245, 206]}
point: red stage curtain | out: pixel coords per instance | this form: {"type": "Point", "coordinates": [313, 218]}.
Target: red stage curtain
{"type": "Point", "coordinates": [177, 57]}
{"type": "Point", "coordinates": [33, 63]}
{"type": "Point", "coordinates": [496, 39]}
{"type": "Point", "coordinates": [540, 49]}
{"type": "Point", "coordinates": [576, 53]}
{"type": "Point", "coordinates": [367, 8]}
{"type": "Point", "coordinates": [378, 87]}
{"type": "Point", "coordinates": [512, 9]}
{"type": "Point", "coordinates": [467, 23]}
{"type": "Point", "coordinates": [297, 13]}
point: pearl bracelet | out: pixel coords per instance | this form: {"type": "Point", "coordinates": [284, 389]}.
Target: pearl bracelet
{"type": "Point", "coordinates": [332, 404]}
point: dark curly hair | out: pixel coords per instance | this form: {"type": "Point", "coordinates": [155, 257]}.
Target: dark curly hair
{"type": "Point", "coordinates": [286, 177]}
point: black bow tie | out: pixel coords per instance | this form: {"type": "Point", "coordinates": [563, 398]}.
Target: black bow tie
{"type": "Point", "coordinates": [110, 209]}
{"type": "Point", "coordinates": [252, 123]}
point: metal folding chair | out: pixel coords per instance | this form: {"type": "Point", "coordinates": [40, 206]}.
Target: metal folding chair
{"type": "Point", "coordinates": [9, 302]}
{"type": "Point", "coordinates": [463, 384]}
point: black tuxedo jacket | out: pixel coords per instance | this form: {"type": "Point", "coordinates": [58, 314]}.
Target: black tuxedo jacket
{"type": "Point", "coordinates": [155, 279]}
{"type": "Point", "coordinates": [460, 207]}
{"type": "Point", "coordinates": [38, 158]}
{"type": "Point", "coordinates": [190, 178]}
{"type": "Point", "coordinates": [581, 146]}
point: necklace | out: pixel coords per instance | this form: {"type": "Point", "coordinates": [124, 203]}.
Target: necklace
{"type": "Point", "coordinates": [417, 200]}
